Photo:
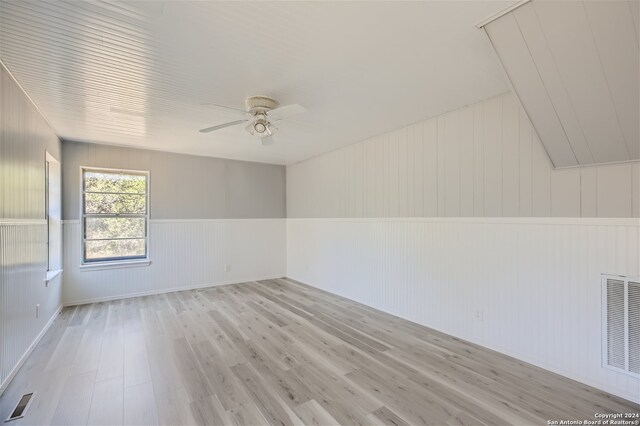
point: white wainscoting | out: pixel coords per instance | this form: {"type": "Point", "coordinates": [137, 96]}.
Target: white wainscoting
{"type": "Point", "coordinates": [184, 254]}
{"type": "Point", "coordinates": [23, 268]}
{"type": "Point", "coordinates": [535, 281]}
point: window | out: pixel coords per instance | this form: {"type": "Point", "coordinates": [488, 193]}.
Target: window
{"type": "Point", "coordinates": [52, 215]}
{"type": "Point", "coordinates": [115, 215]}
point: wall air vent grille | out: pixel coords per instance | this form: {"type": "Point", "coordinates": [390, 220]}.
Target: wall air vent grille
{"type": "Point", "coordinates": [634, 326]}
{"type": "Point", "coordinates": [621, 324]}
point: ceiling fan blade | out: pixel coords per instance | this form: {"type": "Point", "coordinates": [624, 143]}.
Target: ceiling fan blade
{"type": "Point", "coordinates": [286, 111]}
{"type": "Point", "coordinates": [222, 126]}
{"type": "Point", "coordinates": [238, 110]}
{"type": "Point", "coordinates": [267, 140]}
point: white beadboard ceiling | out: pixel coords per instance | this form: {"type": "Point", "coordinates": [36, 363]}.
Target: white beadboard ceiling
{"type": "Point", "coordinates": [575, 66]}
{"type": "Point", "coordinates": [136, 73]}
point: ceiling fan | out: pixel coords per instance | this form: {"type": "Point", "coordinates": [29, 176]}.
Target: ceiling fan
{"type": "Point", "coordinates": [261, 117]}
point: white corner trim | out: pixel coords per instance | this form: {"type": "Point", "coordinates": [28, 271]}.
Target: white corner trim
{"type": "Point", "coordinates": [12, 221]}
{"type": "Point", "coordinates": [578, 221]}
{"type": "Point", "coordinates": [24, 357]}
{"type": "Point", "coordinates": [114, 265]}
{"type": "Point", "coordinates": [223, 220]}
{"type": "Point", "coordinates": [166, 290]}
{"type": "Point", "coordinates": [503, 12]}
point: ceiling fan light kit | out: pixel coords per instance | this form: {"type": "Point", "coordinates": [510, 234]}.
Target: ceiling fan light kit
{"type": "Point", "coordinates": [262, 115]}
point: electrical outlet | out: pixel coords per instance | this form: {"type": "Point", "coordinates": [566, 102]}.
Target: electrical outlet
{"type": "Point", "coordinates": [37, 310]}
{"type": "Point", "coordinates": [479, 314]}
{"type": "Point", "coordinates": [227, 267]}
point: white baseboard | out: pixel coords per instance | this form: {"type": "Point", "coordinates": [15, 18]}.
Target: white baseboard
{"type": "Point", "coordinates": [24, 357]}
{"type": "Point", "coordinates": [165, 290]}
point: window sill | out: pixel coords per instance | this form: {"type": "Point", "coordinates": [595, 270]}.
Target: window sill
{"type": "Point", "coordinates": [114, 265]}
{"type": "Point", "coordinates": [52, 274]}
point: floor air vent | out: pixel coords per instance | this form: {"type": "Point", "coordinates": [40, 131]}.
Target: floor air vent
{"type": "Point", "coordinates": [21, 408]}
{"type": "Point", "coordinates": [621, 324]}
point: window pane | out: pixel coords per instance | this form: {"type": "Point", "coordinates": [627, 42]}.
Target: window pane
{"type": "Point", "coordinates": [115, 203]}
{"type": "Point", "coordinates": [114, 182]}
{"type": "Point", "coordinates": [96, 250]}
{"type": "Point", "coordinates": [114, 227]}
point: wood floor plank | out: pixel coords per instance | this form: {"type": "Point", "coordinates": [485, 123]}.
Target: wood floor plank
{"type": "Point", "coordinates": [136, 361]}
{"type": "Point", "coordinates": [88, 353]}
{"type": "Point", "coordinates": [140, 405]}
{"type": "Point", "coordinates": [208, 411]}
{"type": "Point", "coordinates": [111, 362]}
{"type": "Point", "coordinates": [223, 383]}
{"type": "Point", "coordinates": [246, 413]}
{"type": "Point", "coordinates": [174, 407]}
{"type": "Point", "coordinates": [384, 416]}
{"type": "Point", "coordinates": [270, 406]}
{"type": "Point", "coordinates": [278, 352]}
{"type": "Point", "coordinates": [196, 384]}
{"type": "Point", "coordinates": [313, 414]}
{"type": "Point", "coordinates": [75, 400]}
{"type": "Point", "coordinates": [107, 402]}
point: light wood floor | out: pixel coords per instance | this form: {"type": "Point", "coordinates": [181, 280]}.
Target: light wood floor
{"type": "Point", "coordinates": [277, 352]}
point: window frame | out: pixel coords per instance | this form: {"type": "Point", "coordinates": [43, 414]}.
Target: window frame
{"type": "Point", "coordinates": [121, 260]}
{"type": "Point", "coordinates": [52, 214]}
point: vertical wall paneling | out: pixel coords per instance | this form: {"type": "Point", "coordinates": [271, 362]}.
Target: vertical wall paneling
{"type": "Point", "coordinates": [440, 271]}
{"type": "Point", "coordinates": [613, 185]}
{"type": "Point", "coordinates": [184, 254]}
{"type": "Point", "coordinates": [440, 155]}
{"type": "Point", "coordinates": [467, 166]}
{"type": "Point", "coordinates": [24, 137]}
{"type": "Point", "coordinates": [588, 190]}
{"type": "Point", "coordinates": [478, 159]}
{"type": "Point", "coordinates": [510, 149]}
{"type": "Point", "coordinates": [525, 157]}
{"type": "Point", "coordinates": [452, 163]}
{"type": "Point", "coordinates": [481, 160]}
{"type": "Point", "coordinates": [430, 171]}
{"type": "Point", "coordinates": [493, 157]}
{"type": "Point", "coordinates": [393, 174]}
{"type": "Point", "coordinates": [565, 200]}
{"type": "Point", "coordinates": [541, 174]}
{"type": "Point", "coordinates": [635, 188]}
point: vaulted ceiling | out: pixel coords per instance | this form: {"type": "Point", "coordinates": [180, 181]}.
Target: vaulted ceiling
{"type": "Point", "coordinates": [575, 66]}
{"type": "Point", "coordinates": [137, 73]}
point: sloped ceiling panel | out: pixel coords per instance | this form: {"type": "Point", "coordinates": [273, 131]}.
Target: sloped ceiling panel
{"type": "Point", "coordinates": [575, 67]}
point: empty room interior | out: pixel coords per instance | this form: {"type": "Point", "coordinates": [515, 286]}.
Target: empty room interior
{"type": "Point", "coordinates": [320, 212]}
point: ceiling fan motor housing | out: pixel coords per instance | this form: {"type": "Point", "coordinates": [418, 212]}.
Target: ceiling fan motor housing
{"type": "Point", "coordinates": [260, 104]}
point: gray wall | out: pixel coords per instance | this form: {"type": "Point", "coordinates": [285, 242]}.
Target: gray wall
{"type": "Point", "coordinates": [182, 186]}
{"type": "Point", "coordinates": [24, 137]}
